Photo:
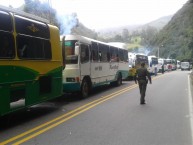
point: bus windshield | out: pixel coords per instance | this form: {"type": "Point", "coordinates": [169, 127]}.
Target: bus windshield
{"type": "Point", "coordinates": [70, 56]}
{"type": "Point", "coordinates": [154, 60]}
{"type": "Point", "coordinates": [168, 61]}
{"type": "Point", "coordinates": [142, 58]}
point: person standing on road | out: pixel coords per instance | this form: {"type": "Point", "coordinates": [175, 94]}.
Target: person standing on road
{"type": "Point", "coordinates": [155, 70]}
{"type": "Point", "coordinates": [142, 76]}
{"type": "Point", "coordinates": [132, 71]}
{"type": "Point", "coordinates": [162, 68]}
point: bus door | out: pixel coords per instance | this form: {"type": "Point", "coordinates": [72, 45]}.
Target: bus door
{"type": "Point", "coordinates": [84, 61]}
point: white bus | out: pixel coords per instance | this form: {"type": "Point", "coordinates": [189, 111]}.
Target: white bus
{"type": "Point", "coordinates": [135, 60]}
{"type": "Point", "coordinates": [174, 64]}
{"type": "Point", "coordinates": [131, 58]}
{"type": "Point", "coordinates": [161, 62]}
{"type": "Point", "coordinates": [178, 64]}
{"type": "Point", "coordinates": [91, 63]}
{"type": "Point", "coordinates": [171, 64]}
{"type": "Point", "coordinates": [153, 62]}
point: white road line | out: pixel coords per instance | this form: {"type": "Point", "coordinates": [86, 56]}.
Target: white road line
{"type": "Point", "coordinates": [190, 107]}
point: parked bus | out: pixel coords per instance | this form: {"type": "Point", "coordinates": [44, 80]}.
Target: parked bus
{"type": "Point", "coordinates": [174, 64]}
{"type": "Point", "coordinates": [161, 62]}
{"type": "Point", "coordinates": [178, 64]}
{"type": "Point", "coordinates": [30, 61]}
{"type": "Point", "coordinates": [131, 58]}
{"type": "Point", "coordinates": [91, 63]}
{"type": "Point", "coordinates": [153, 62]}
{"type": "Point", "coordinates": [141, 58]}
{"type": "Point", "coordinates": [169, 64]}
{"type": "Point", "coordinates": [135, 60]}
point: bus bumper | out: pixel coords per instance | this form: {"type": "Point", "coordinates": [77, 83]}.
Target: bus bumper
{"type": "Point", "coordinates": [71, 87]}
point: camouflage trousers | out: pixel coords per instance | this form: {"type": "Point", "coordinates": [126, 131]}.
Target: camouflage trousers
{"type": "Point", "coordinates": [142, 89]}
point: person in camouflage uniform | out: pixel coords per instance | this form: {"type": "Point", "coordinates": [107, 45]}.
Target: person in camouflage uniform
{"type": "Point", "coordinates": [142, 76]}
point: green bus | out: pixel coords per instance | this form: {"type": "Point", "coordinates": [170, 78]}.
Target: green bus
{"type": "Point", "coordinates": [31, 61]}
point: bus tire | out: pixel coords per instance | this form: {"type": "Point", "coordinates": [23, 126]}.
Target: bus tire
{"type": "Point", "coordinates": [119, 80]}
{"type": "Point", "coordinates": [85, 89]}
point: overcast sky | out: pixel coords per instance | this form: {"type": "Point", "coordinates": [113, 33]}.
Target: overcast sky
{"type": "Point", "coordinates": [99, 14]}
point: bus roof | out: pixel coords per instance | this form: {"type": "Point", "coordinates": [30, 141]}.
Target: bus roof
{"type": "Point", "coordinates": [152, 56]}
{"type": "Point", "coordinates": [24, 14]}
{"type": "Point", "coordinates": [84, 39]}
{"type": "Point", "coordinates": [186, 60]}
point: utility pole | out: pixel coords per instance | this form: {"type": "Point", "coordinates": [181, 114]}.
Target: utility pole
{"type": "Point", "coordinates": [158, 50]}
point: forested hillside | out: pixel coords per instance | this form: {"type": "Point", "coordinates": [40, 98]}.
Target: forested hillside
{"type": "Point", "coordinates": [175, 40]}
{"type": "Point", "coordinates": [80, 29]}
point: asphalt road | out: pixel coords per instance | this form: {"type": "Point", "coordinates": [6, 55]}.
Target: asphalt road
{"type": "Point", "coordinates": [111, 116]}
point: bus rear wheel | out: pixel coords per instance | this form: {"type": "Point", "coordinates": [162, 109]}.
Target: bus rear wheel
{"type": "Point", "coordinates": [85, 89]}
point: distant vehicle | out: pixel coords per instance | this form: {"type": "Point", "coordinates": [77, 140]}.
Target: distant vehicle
{"type": "Point", "coordinates": [141, 58]}
{"type": "Point", "coordinates": [185, 64]}
{"type": "Point", "coordinates": [161, 61]}
{"type": "Point", "coordinates": [169, 64]}
{"type": "Point", "coordinates": [131, 58]}
{"type": "Point", "coordinates": [153, 62]}
{"type": "Point", "coordinates": [135, 60]}
{"type": "Point", "coordinates": [178, 64]}
{"type": "Point", "coordinates": [174, 64]}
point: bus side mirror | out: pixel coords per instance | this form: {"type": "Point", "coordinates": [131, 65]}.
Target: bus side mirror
{"type": "Point", "coordinates": [76, 50]}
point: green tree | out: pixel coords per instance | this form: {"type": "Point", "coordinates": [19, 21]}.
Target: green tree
{"type": "Point", "coordinates": [148, 36]}
{"type": "Point", "coordinates": [41, 9]}
{"type": "Point", "coordinates": [118, 38]}
{"type": "Point", "coordinates": [125, 35]}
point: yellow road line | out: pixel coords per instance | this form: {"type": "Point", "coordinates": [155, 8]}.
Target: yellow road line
{"type": "Point", "coordinates": [72, 116]}
{"type": "Point", "coordinates": [58, 118]}
{"type": "Point", "coordinates": [78, 111]}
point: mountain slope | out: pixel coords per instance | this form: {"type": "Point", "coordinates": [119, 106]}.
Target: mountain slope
{"type": "Point", "coordinates": [159, 23]}
{"type": "Point", "coordinates": [175, 40]}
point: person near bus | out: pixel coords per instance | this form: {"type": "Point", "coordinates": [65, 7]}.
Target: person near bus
{"type": "Point", "coordinates": [162, 69]}
{"type": "Point", "coordinates": [142, 76]}
{"type": "Point", "coordinates": [132, 71]}
{"type": "Point", "coordinates": [155, 70]}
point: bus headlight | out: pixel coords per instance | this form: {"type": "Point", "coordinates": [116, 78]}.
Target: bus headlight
{"type": "Point", "coordinates": [76, 79]}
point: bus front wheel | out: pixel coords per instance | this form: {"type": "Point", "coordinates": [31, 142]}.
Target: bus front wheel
{"type": "Point", "coordinates": [119, 80]}
{"type": "Point", "coordinates": [85, 89]}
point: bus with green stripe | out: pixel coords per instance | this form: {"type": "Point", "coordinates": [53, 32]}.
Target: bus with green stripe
{"type": "Point", "coordinates": [31, 61]}
{"type": "Point", "coordinates": [91, 63]}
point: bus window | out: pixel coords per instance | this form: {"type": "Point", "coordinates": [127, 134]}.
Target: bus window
{"type": "Point", "coordinates": [104, 50]}
{"type": "Point", "coordinates": [70, 56]}
{"type": "Point", "coordinates": [121, 55]}
{"type": "Point", "coordinates": [84, 54]}
{"type": "Point", "coordinates": [125, 55]}
{"type": "Point", "coordinates": [6, 24]}
{"type": "Point", "coordinates": [31, 27]}
{"type": "Point", "coordinates": [33, 48]}
{"type": "Point", "coordinates": [114, 54]}
{"type": "Point", "coordinates": [7, 49]}
{"type": "Point", "coordinates": [94, 52]}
